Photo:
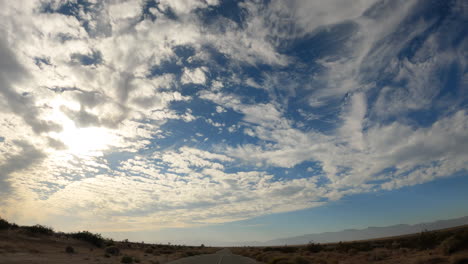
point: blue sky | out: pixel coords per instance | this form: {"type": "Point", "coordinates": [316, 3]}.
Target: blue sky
{"type": "Point", "coordinates": [196, 120]}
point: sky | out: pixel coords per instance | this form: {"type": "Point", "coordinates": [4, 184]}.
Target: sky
{"type": "Point", "coordinates": [219, 120]}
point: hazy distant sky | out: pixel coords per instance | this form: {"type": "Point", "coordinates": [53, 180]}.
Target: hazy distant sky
{"type": "Point", "coordinates": [188, 120]}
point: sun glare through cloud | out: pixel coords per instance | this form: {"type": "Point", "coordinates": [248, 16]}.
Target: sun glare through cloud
{"type": "Point", "coordinates": [79, 141]}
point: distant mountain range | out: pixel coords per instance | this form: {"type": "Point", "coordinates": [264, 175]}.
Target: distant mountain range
{"type": "Point", "coordinates": [362, 234]}
{"type": "Point", "coordinates": [348, 234]}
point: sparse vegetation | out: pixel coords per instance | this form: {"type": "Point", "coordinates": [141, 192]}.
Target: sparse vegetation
{"type": "Point", "coordinates": [434, 247]}
{"type": "Point", "coordinates": [427, 247]}
{"type": "Point", "coordinates": [112, 250]}
{"type": "Point", "coordinates": [126, 259]}
{"type": "Point", "coordinates": [95, 239]}
{"type": "Point", "coordinates": [455, 243]}
{"type": "Point", "coordinates": [4, 224]}
{"type": "Point", "coordinates": [38, 229]}
{"type": "Point", "coordinates": [460, 260]}
{"type": "Point", "coordinates": [314, 247]}
{"type": "Point", "coordinates": [69, 250]}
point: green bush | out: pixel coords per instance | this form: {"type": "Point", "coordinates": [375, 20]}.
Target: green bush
{"type": "Point", "coordinates": [95, 239]}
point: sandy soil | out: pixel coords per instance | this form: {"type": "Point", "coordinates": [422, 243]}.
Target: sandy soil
{"type": "Point", "coordinates": [17, 247]}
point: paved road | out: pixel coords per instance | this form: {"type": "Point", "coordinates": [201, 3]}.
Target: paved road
{"type": "Point", "coordinates": [221, 257]}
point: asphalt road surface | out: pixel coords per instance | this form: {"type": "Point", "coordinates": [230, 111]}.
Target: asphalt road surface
{"type": "Point", "coordinates": [221, 257]}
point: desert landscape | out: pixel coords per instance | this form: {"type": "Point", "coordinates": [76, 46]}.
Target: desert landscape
{"type": "Point", "coordinates": [40, 244]}
{"type": "Point", "coordinates": [234, 131]}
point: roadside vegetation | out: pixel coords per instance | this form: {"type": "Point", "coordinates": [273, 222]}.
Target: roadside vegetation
{"type": "Point", "coordinates": [448, 246]}
{"type": "Point", "coordinates": [39, 240]}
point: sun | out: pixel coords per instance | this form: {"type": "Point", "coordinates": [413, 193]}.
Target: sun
{"type": "Point", "coordinates": [81, 141]}
{"type": "Point", "coordinates": [89, 141]}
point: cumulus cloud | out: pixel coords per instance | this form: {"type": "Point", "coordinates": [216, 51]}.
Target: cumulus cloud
{"type": "Point", "coordinates": [196, 76]}
{"type": "Point", "coordinates": [11, 72]}
{"type": "Point", "coordinates": [98, 102]}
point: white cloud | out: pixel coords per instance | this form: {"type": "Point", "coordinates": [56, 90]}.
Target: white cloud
{"type": "Point", "coordinates": [126, 9]}
{"type": "Point", "coordinates": [186, 6]}
{"type": "Point", "coordinates": [352, 128]}
{"type": "Point", "coordinates": [75, 90]}
{"type": "Point", "coordinates": [196, 76]}
{"type": "Point", "coordinates": [220, 109]}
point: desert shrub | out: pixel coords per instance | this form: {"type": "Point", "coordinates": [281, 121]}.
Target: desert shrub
{"type": "Point", "coordinates": [427, 240]}
{"type": "Point", "coordinates": [450, 245]}
{"type": "Point", "coordinates": [38, 229]}
{"type": "Point", "coordinates": [323, 261]}
{"type": "Point", "coordinates": [314, 248]}
{"type": "Point", "coordinates": [343, 247]}
{"type": "Point", "coordinates": [69, 250]}
{"type": "Point", "coordinates": [34, 251]}
{"type": "Point", "coordinates": [260, 257]}
{"type": "Point", "coordinates": [126, 259]}
{"type": "Point", "coordinates": [301, 260]}
{"type": "Point", "coordinates": [459, 260]}
{"type": "Point", "coordinates": [287, 249]}
{"type": "Point", "coordinates": [189, 254]}
{"type": "Point", "coordinates": [109, 242]}
{"type": "Point", "coordinates": [280, 260]}
{"type": "Point", "coordinates": [95, 239]}
{"type": "Point", "coordinates": [430, 260]}
{"type": "Point", "coordinates": [455, 243]}
{"type": "Point", "coordinates": [379, 254]}
{"type": "Point", "coordinates": [4, 224]}
{"type": "Point", "coordinates": [112, 250]}
{"type": "Point", "coordinates": [149, 251]}
{"type": "Point", "coordinates": [395, 245]}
